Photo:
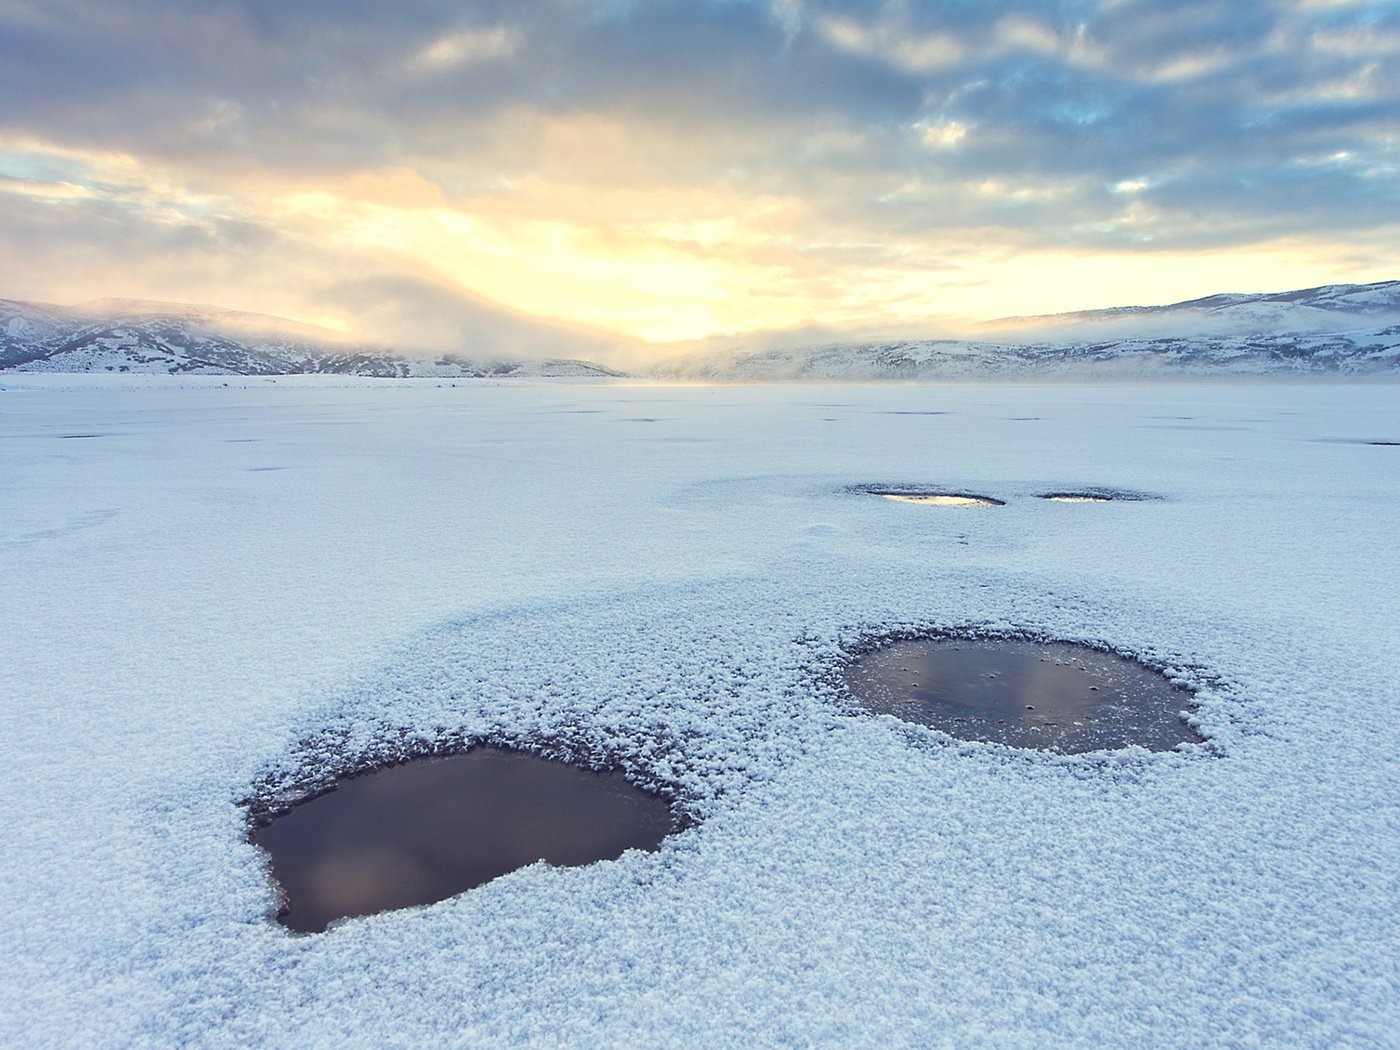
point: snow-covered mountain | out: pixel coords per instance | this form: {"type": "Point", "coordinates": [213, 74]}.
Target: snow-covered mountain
{"type": "Point", "coordinates": [118, 335]}
{"type": "Point", "coordinates": [1330, 308]}
{"type": "Point", "coordinates": [1335, 330]}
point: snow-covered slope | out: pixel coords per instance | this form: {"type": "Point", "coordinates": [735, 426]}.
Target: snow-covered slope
{"type": "Point", "coordinates": [114, 335]}
{"type": "Point", "coordinates": [1328, 308]}
{"type": "Point", "coordinates": [1334, 330]}
{"type": "Point", "coordinates": [1351, 330]}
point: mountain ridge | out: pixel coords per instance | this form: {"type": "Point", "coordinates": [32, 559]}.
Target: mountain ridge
{"type": "Point", "coordinates": [152, 337]}
{"type": "Point", "coordinates": [1343, 330]}
{"type": "Point", "coordinates": [1380, 296]}
{"type": "Point", "coordinates": [1329, 330]}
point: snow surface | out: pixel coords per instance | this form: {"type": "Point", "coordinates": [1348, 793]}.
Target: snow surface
{"type": "Point", "coordinates": [227, 581]}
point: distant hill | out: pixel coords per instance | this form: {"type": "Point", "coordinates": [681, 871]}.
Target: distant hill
{"type": "Point", "coordinates": [1304, 309]}
{"type": "Point", "coordinates": [122, 335]}
{"type": "Point", "coordinates": [1334, 330]}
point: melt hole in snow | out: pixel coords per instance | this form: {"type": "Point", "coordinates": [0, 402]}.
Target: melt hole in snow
{"type": "Point", "coordinates": [431, 828]}
{"type": "Point", "coordinates": [1054, 696]}
{"type": "Point", "coordinates": [1097, 494]}
{"type": "Point", "coordinates": [936, 499]}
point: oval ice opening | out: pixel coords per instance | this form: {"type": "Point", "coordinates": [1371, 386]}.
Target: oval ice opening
{"type": "Point", "coordinates": [431, 828]}
{"type": "Point", "coordinates": [1053, 696]}
{"type": "Point", "coordinates": [941, 499]}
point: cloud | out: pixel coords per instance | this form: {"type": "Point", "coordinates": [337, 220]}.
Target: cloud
{"type": "Point", "coordinates": [674, 168]}
{"type": "Point", "coordinates": [463, 47]}
{"type": "Point", "coordinates": [421, 315]}
{"type": "Point", "coordinates": [254, 266]}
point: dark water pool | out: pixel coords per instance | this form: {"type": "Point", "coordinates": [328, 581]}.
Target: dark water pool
{"type": "Point", "coordinates": [1048, 695]}
{"type": "Point", "coordinates": [431, 828]}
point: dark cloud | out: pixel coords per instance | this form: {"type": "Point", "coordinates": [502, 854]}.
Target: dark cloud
{"type": "Point", "coordinates": [261, 76]}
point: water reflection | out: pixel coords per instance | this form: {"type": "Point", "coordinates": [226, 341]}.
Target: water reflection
{"type": "Point", "coordinates": [1048, 695]}
{"type": "Point", "coordinates": [939, 500]}
{"type": "Point", "coordinates": [1097, 494]}
{"type": "Point", "coordinates": [429, 829]}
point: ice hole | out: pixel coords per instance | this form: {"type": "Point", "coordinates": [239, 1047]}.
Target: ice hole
{"type": "Point", "coordinates": [431, 828]}
{"type": "Point", "coordinates": [1053, 696]}
{"type": "Point", "coordinates": [1097, 494]}
{"type": "Point", "coordinates": [936, 499]}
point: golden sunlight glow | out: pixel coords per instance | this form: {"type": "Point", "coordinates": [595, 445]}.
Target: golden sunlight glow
{"type": "Point", "coordinates": [663, 279]}
{"type": "Point", "coordinates": [40, 188]}
{"type": "Point", "coordinates": [574, 239]}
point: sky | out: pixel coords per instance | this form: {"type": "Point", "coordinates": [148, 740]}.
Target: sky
{"type": "Point", "coordinates": [659, 171]}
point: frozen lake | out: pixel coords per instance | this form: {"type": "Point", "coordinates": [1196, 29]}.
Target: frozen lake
{"type": "Point", "coordinates": [203, 586]}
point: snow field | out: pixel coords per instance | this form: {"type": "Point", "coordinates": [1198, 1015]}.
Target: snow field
{"type": "Point", "coordinates": [281, 577]}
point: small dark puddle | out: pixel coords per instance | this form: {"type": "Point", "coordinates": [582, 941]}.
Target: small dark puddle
{"type": "Point", "coordinates": [429, 829]}
{"type": "Point", "coordinates": [1054, 696]}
